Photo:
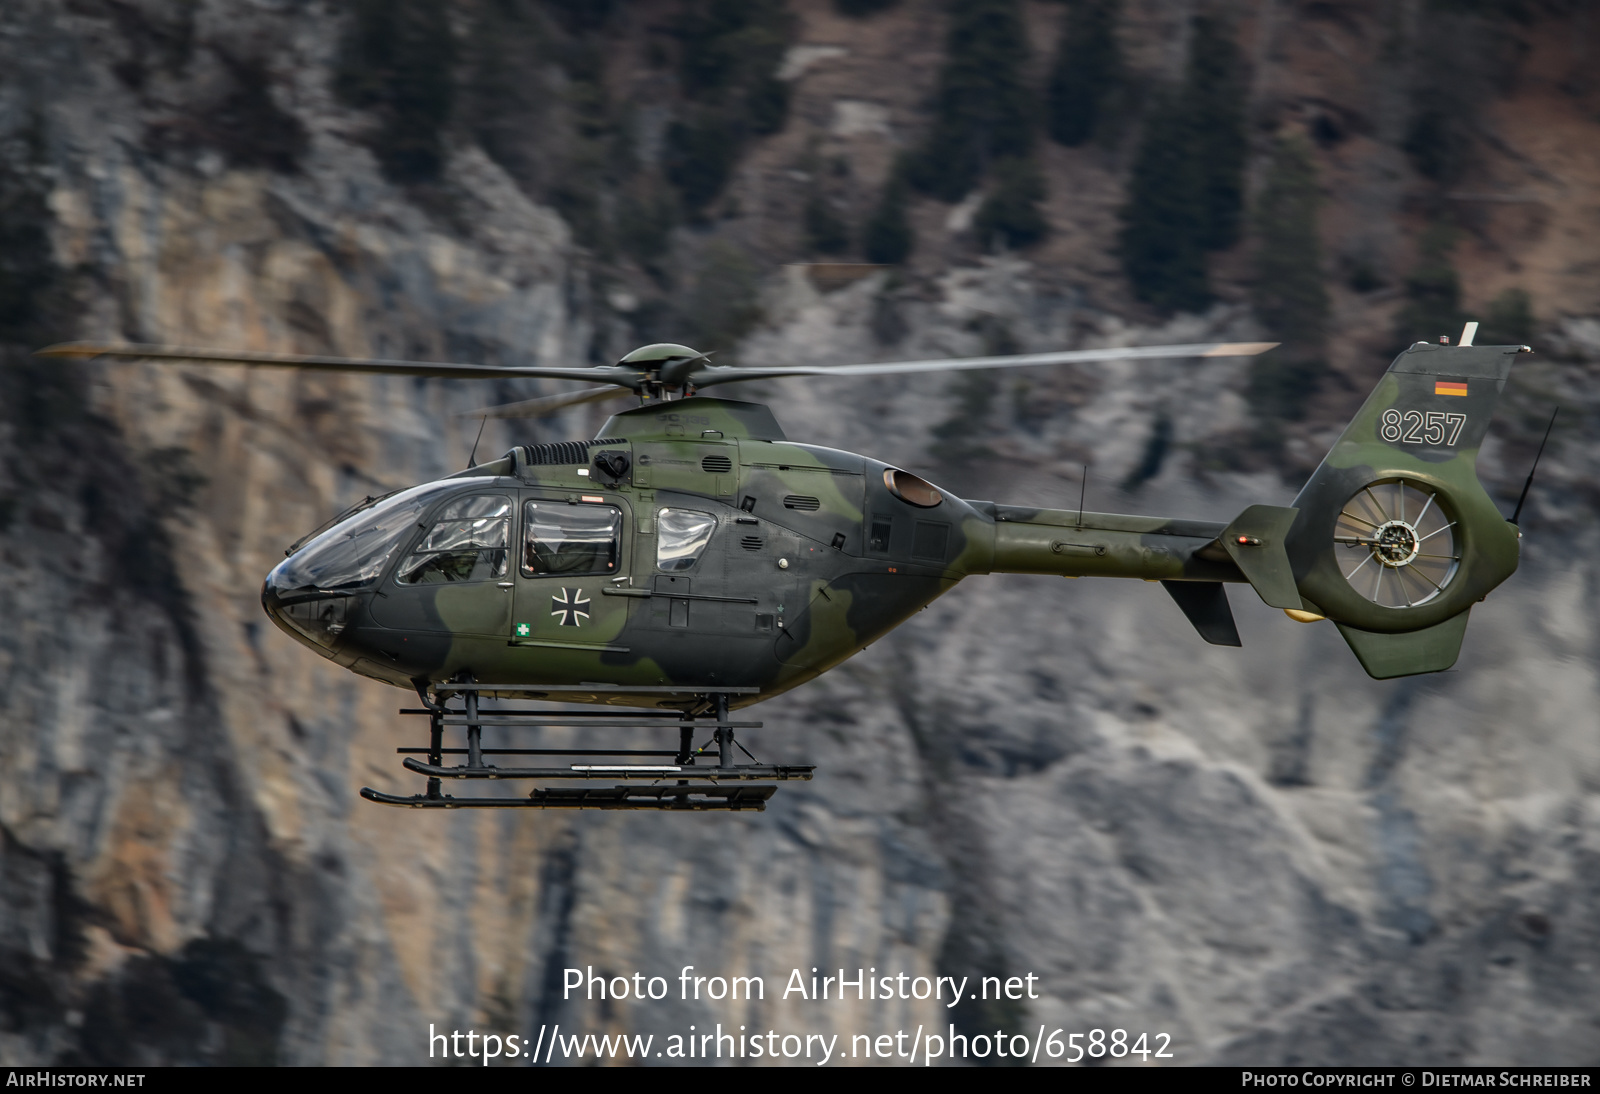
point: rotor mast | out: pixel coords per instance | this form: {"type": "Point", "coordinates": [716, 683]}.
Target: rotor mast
{"type": "Point", "coordinates": [665, 368]}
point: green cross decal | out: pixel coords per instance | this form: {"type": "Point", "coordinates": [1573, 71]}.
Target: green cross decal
{"type": "Point", "coordinates": [523, 630]}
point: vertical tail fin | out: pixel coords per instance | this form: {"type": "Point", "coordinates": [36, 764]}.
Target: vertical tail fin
{"type": "Point", "coordinates": [1396, 537]}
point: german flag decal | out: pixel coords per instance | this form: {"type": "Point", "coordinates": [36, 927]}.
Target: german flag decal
{"type": "Point", "coordinates": [1450, 387]}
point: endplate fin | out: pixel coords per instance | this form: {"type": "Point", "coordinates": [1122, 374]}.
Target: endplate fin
{"type": "Point", "coordinates": [1262, 557]}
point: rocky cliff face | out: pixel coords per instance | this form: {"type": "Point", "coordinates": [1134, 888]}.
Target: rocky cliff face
{"type": "Point", "coordinates": [1262, 853]}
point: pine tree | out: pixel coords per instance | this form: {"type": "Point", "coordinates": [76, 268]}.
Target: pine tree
{"type": "Point", "coordinates": [1186, 193]}
{"type": "Point", "coordinates": [985, 111]}
{"type": "Point", "coordinates": [1011, 217]}
{"type": "Point", "coordinates": [731, 52]}
{"type": "Point", "coordinates": [1509, 321]}
{"type": "Point", "coordinates": [887, 236]}
{"type": "Point", "coordinates": [1160, 245]}
{"type": "Point", "coordinates": [1087, 72]}
{"type": "Point", "coordinates": [27, 266]}
{"type": "Point", "coordinates": [1290, 298]}
{"type": "Point", "coordinates": [825, 230]}
{"type": "Point", "coordinates": [398, 56]}
{"type": "Point", "coordinates": [723, 304]}
{"type": "Point", "coordinates": [1433, 291]}
{"type": "Point", "coordinates": [1214, 96]}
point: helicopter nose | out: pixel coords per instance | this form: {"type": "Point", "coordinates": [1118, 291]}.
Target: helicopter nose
{"type": "Point", "coordinates": [314, 618]}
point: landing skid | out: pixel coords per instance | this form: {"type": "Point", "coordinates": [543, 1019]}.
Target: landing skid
{"type": "Point", "coordinates": [658, 798]}
{"type": "Point", "coordinates": [686, 779]}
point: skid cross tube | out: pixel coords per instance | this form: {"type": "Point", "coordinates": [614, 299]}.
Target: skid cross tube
{"type": "Point", "coordinates": [657, 778]}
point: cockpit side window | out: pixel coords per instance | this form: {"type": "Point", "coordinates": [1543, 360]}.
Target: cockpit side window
{"type": "Point", "coordinates": [681, 538]}
{"type": "Point", "coordinates": [570, 539]}
{"type": "Point", "coordinates": [469, 541]}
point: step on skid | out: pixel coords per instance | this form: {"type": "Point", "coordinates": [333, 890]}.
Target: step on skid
{"type": "Point", "coordinates": [656, 779]}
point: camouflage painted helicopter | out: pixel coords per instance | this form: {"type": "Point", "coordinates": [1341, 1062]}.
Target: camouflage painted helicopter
{"type": "Point", "coordinates": [691, 560]}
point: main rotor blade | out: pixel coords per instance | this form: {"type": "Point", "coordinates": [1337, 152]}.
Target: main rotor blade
{"type": "Point", "coordinates": [707, 376]}
{"type": "Point", "coordinates": [624, 377]}
{"type": "Point", "coordinates": [546, 405]}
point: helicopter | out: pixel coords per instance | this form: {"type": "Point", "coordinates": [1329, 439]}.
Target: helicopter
{"type": "Point", "coordinates": [690, 561]}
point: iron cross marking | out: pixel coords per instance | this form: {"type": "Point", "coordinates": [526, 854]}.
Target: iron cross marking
{"type": "Point", "coordinates": [571, 607]}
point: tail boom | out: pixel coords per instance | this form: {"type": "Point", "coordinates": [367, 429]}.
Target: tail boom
{"type": "Point", "coordinates": [1067, 543]}
{"type": "Point", "coordinates": [1393, 538]}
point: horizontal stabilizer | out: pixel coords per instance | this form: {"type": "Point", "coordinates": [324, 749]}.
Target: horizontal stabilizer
{"type": "Point", "coordinates": [1255, 542]}
{"type": "Point", "coordinates": [1206, 605]}
{"type": "Point", "coordinates": [1385, 656]}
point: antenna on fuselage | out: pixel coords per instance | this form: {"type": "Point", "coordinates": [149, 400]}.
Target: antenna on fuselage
{"type": "Point", "coordinates": [1082, 492]}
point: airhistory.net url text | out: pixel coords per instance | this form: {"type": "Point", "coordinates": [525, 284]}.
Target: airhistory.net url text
{"type": "Point", "coordinates": [926, 1048]}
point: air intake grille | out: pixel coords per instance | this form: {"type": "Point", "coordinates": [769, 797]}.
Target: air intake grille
{"type": "Point", "coordinates": [802, 502]}
{"type": "Point", "coordinates": [564, 452]}
{"type": "Point", "coordinates": [751, 543]}
{"type": "Point", "coordinates": [716, 464]}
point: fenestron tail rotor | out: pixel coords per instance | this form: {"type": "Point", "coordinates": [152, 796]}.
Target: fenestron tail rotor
{"type": "Point", "coordinates": [1397, 543]}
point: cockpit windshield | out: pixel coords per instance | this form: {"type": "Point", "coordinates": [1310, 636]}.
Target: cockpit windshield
{"type": "Point", "coordinates": [353, 553]}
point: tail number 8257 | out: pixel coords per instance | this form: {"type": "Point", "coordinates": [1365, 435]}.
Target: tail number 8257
{"type": "Point", "coordinates": [1433, 427]}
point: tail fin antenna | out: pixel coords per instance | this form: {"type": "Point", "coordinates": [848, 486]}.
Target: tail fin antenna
{"type": "Point", "coordinates": [1512, 519]}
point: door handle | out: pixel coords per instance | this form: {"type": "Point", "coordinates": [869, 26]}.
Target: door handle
{"type": "Point", "coordinates": [506, 584]}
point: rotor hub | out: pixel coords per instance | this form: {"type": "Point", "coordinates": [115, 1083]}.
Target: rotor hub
{"type": "Point", "coordinates": [1395, 544]}
{"type": "Point", "coordinates": [1401, 539]}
